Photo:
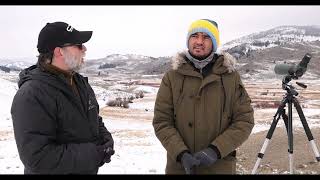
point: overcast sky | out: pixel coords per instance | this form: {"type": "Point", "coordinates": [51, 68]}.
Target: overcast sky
{"type": "Point", "coordinates": [146, 30]}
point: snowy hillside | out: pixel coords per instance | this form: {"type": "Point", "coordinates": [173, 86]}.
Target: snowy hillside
{"type": "Point", "coordinates": [127, 64]}
{"type": "Point", "coordinates": [277, 36]}
{"type": "Point", "coordinates": [258, 53]}
{"type": "Point", "coordinates": [16, 64]}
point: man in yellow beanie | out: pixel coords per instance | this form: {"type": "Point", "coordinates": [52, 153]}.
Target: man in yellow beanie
{"type": "Point", "coordinates": [202, 111]}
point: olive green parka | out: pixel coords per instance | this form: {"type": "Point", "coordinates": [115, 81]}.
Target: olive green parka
{"type": "Point", "coordinates": [192, 112]}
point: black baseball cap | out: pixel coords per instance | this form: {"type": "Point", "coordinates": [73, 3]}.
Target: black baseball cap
{"type": "Point", "coordinates": [57, 34]}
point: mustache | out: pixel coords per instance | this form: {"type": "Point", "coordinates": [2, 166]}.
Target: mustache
{"type": "Point", "coordinates": [198, 46]}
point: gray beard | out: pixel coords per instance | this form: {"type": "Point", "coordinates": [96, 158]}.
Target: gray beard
{"type": "Point", "coordinates": [72, 64]}
{"type": "Point", "coordinates": [200, 64]}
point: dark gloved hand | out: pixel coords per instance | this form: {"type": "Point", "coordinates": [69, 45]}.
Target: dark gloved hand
{"type": "Point", "coordinates": [188, 162]}
{"type": "Point", "coordinates": [206, 156]}
{"type": "Point", "coordinates": [105, 151]}
{"type": "Point", "coordinates": [104, 139]}
{"type": "Point", "coordinates": [109, 143]}
{"type": "Point", "coordinates": [109, 152]}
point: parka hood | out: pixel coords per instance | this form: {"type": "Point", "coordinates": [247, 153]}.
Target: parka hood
{"type": "Point", "coordinates": [225, 62]}
{"type": "Point", "coordinates": [27, 74]}
{"type": "Point", "coordinates": [34, 72]}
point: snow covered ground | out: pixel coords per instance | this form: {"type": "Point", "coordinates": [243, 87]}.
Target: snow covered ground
{"type": "Point", "coordinates": [138, 151]}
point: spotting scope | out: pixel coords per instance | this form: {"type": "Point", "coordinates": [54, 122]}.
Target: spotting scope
{"type": "Point", "coordinates": [292, 69]}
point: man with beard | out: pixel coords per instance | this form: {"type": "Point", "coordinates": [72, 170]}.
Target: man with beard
{"type": "Point", "coordinates": [202, 111]}
{"type": "Point", "coordinates": [55, 113]}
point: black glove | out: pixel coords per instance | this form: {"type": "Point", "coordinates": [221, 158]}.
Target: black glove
{"type": "Point", "coordinates": [105, 151]}
{"type": "Point", "coordinates": [109, 152]}
{"type": "Point", "coordinates": [206, 156]}
{"type": "Point", "coordinates": [188, 161]}
{"type": "Point", "coordinates": [104, 138]}
{"type": "Point", "coordinates": [109, 143]}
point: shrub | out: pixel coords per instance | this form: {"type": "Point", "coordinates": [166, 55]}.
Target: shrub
{"type": "Point", "coordinates": [112, 103]}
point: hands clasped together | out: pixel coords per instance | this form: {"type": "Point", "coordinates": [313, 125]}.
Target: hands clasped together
{"type": "Point", "coordinates": [105, 151]}
{"type": "Point", "coordinates": [205, 157]}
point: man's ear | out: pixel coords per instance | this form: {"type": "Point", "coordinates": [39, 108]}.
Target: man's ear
{"type": "Point", "coordinates": [57, 52]}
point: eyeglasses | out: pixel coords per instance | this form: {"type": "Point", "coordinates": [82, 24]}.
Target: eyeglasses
{"type": "Point", "coordinates": [79, 46]}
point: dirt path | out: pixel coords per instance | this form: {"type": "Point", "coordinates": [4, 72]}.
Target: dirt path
{"type": "Point", "coordinates": [276, 156]}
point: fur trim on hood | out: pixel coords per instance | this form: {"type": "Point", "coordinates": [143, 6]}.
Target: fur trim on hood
{"type": "Point", "coordinates": [229, 61]}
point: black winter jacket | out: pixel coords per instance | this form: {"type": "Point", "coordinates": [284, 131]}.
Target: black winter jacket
{"type": "Point", "coordinates": [56, 130]}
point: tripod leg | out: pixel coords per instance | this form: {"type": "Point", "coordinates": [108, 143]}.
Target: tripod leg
{"type": "Point", "coordinates": [307, 129]}
{"type": "Point", "coordinates": [285, 119]}
{"type": "Point", "coordinates": [276, 118]}
{"type": "Point", "coordinates": [290, 136]}
{"type": "Point", "coordinates": [286, 123]}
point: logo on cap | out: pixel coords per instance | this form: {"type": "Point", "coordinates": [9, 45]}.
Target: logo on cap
{"type": "Point", "coordinates": [69, 28]}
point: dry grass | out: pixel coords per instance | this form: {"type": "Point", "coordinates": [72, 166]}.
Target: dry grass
{"type": "Point", "coordinates": [130, 133]}
{"type": "Point", "coordinates": [127, 114]}
{"type": "Point", "coordinates": [269, 95]}
{"type": "Point", "coordinates": [5, 135]}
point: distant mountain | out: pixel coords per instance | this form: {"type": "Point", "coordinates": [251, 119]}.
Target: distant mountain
{"type": "Point", "coordinates": [14, 64]}
{"type": "Point", "coordinates": [127, 64]}
{"type": "Point", "coordinates": [258, 53]}
{"type": "Point", "coordinates": [277, 36]}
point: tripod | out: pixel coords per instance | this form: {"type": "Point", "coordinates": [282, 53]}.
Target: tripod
{"type": "Point", "coordinates": [288, 99]}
